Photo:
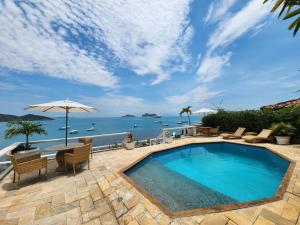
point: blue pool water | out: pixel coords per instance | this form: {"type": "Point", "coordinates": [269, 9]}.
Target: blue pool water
{"type": "Point", "coordinates": [208, 175]}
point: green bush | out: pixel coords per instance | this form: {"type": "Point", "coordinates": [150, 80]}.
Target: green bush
{"type": "Point", "coordinates": [282, 129]}
{"type": "Point", "coordinates": [253, 120]}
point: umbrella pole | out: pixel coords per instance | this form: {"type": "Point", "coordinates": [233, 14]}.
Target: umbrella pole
{"type": "Point", "coordinates": [67, 112]}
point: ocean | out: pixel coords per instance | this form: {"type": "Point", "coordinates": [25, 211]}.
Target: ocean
{"type": "Point", "coordinates": [146, 128]}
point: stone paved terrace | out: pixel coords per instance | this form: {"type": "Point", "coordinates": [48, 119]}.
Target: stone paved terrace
{"type": "Point", "coordinates": [101, 196]}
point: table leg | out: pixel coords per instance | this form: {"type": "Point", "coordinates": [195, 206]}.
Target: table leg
{"type": "Point", "coordinates": [61, 161]}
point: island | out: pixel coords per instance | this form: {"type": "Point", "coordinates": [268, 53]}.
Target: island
{"type": "Point", "coordinates": [27, 117]}
{"type": "Point", "coordinates": [129, 115]}
{"type": "Point", "coordinates": [149, 115]}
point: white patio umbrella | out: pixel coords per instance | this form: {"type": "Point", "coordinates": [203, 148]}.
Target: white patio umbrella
{"type": "Point", "coordinates": [66, 106]}
{"type": "Point", "coordinates": [205, 110]}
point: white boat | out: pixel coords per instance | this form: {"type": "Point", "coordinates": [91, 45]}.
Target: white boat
{"type": "Point", "coordinates": [73, 132]}
{"type": "Point", "coordinates": [63, 128]}
{"type": "Point", "coordinates": [135, 125]}
{"type": "Point", "coordinates": [90, 129]}
{"type": "Point", "coordinates": [165, 124]}
{"type": "Point", "coordinates": [179, 122]}
{"type": "Point", "coordinates": [156, 121]}
{"type": "Point", "coordinates": [157, 116]}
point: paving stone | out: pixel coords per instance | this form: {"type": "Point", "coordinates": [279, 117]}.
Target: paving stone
{"type": "Point", "coordinates": [238, 218]}
{"type": "Point", "coordinates": [137, 210]}
{"type": "Point", "coordinates": [153, 210]}
{"type": "Point", "coordinates": [103, 183]}
{"type": "Point", "coordinates": [26, 219]}
{"type": "Point", "coordinates": [95, 221]}
{"type": "Point", "coordinates": [99, 211]}
{"type": "Point", "coordinates": [74, 217]}
{"type": "Point", "coordinates": [86, 204]}
{"type": "Point", "coordinates": [263, 221]}
{"type": "Point", "coordinates": [231, 223]}
{"type": "Point", "coordinates": [275, 218]}
{"type": "Point", "coordinates": [58, 200]}
{"type": "Point", "coordinates": [214, 220]}
{"type": "Point", "coordinates": [96, 194]}
{"type": "Point", "coordinates": [290, 212]}
{"type": "Point", "coordinates": [20, 213]}
{"type": "Point", "coordinates": [119, 208]}
{"type": "Point", "coordinates": [125, 219]}
{"type": "Point", "coordinates": [132, 201]}
{"type": "Point", "coordinates": [108, 219]}
{"type": "Point", "coordinates": [133, 222]}
{"type": "Point", "coordinates": [163, 219]}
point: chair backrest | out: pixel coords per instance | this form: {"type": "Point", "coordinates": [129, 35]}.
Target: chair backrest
{"type": "Point", "coordinates": [82, 152]}
{"type": "Point", "coordinates": [13, 160]}
{"type": "Point", "coordinates": [239, 131]}
{"type": "Point", "coordinates": [86, 140]}
{"type": "Point", "coordinates": [265, 133]}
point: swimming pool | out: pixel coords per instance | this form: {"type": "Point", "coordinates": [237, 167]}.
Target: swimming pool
{"type": "Point", "coordinates": [209, 175]}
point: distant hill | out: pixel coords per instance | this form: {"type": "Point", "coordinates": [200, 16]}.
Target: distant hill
{"type": "Point", "coordinates": [149, 115]}
{"type": "Point", "coordinates": [31, 117]}
{"type": "Point", "coordinates": [129, 115]}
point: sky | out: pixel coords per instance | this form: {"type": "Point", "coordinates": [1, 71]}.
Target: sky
{"type": "Point", "coordinates": [132, 57]}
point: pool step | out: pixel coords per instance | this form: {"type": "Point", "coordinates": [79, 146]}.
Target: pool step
{"type": "Point", "coordinates": [174, 190]}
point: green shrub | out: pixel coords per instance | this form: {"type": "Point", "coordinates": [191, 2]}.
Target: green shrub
{"type": "Point", "coordinates": [253, 120]}
{"type": "Point", "coordinates": [282, 129]}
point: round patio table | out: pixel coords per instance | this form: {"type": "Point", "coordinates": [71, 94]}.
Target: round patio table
{"type": "Point", "coordinates": [60, 150]}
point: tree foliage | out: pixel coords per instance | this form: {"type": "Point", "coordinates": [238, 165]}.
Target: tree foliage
{"type": "Point", "coordinates": [27, 128]}
{"type": "Point", "coordinates": [188, 111]}
{"type": "Point", "coordinates": [290, 9]}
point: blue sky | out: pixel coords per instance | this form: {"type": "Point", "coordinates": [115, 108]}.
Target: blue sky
{"type": "Point", "coordinates": [146, 56]}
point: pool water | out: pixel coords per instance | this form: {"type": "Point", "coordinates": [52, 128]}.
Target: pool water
{"type": "Point", "coordinates": [209, 175]}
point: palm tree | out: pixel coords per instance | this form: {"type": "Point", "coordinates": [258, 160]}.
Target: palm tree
{"type": "Point", "coordinates": [188, 111]}
{"type": "Point", "coordinates": [27, 128]}
{"type": "Point", "coordinates": [291, 8]}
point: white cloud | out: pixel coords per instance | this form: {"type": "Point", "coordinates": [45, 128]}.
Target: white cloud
{"type": "Point", "coordinates": [193, 97]}
{"type": "Point", "coordinates": [240, 23]}
{"type": "Point", "coordinates": [211, 67]}
{"type": "Point", "coordinates": [145, 36]}
{"type": "Point", "coordinates": [218, 9]}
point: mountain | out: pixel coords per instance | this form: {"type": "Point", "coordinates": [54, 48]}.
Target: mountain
{"type": "Point", "coordinates": [129, 115]}
{"type": "Point", "coordinates": [149, 115]}
{"type": "Point", "coordinates": [31, 117]}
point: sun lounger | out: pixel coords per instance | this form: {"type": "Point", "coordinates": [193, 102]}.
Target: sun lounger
{"type": "Point", "coordinates": [236, 135]}
{"type": "Point", "coordinates": [264, 135]}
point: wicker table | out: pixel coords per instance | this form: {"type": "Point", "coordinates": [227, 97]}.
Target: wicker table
{"type": "Point", "coordinates": [60, 150]}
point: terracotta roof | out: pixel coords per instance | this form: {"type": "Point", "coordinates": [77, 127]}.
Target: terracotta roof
{"type": "Point", "coordinates": [286, 104]}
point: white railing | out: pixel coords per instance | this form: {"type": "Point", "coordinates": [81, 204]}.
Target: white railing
{"type": "Point", "coordinates": [16, 144]}
{"type": "Point", "coordinates": [188, 130]}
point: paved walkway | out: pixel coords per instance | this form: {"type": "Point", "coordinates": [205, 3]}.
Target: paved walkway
{"type": "Point", "coordinates": [102, 196]}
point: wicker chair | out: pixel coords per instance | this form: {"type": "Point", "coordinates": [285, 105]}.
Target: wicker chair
{"type": "Point", "coordinates": [87, 141]}
{"type": "Point", "coordinates": [79, 155]}
{"type": "Point", "coordinates": [27, 164]}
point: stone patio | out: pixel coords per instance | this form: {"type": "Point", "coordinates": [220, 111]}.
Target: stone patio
{"type": "Point", "coordinates": [102, 196]}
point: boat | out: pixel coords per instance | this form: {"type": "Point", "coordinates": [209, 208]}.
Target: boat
{"type": "Point", "coordinates": [179, 122]}
{"type": "Point", "coordinates": [135, 125]}
{"type": "Point", "coordinates": [165, 124]}
{"type": "Point", "coordinates": [157, 116]}
{"type": "Point", "coordinates": [156, 121]}
{"type": "Point", "coordinates": [63, 128]}
{"type": "Point", "coordinates": [90, 129]}
{"type": "Point", "coordinates": [73, 132]}
{"type": "Point", "coordinates": [93, 123]}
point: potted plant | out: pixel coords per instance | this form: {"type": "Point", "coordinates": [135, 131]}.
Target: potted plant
{"type": "Point", "coordinates": [282, 132]}
{"type": "Point", "coordinates": [27, 128]}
